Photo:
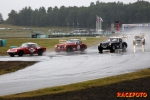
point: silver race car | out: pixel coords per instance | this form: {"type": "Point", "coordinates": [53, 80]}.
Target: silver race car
{"type": "Point", "coordinates": [139, 40]}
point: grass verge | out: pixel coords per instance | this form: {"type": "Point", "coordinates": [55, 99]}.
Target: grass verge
{"type": "Point", "coordinates": [12, 66]}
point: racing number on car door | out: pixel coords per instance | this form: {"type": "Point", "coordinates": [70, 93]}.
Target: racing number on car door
{"type": "Point", "coordinates": [32, 50]}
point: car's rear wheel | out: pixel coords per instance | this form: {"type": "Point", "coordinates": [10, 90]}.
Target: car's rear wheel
{"type": "Point", "coordinates": [40, 52]}
{"type": "Point", "coordinates": [124, 48]}
{"type": "Point", "coordinates": [69, 49]}
{"type": "Point", "coordinates": [20, 53]}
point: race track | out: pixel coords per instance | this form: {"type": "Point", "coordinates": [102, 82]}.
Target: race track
{"type": "Point", "coordinates": [56, 69]}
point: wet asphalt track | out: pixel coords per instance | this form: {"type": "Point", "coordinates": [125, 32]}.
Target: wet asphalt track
{"type": "Point", "coordinates": [58, 69]}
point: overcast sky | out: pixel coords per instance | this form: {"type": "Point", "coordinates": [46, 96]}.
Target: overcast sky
{"type": "Point", "coordinates": [7, 5]}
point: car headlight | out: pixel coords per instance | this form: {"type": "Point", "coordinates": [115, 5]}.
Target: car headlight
{"type": "Point", "coordinates": [109, 43]}
{"type": "Point", "coordinates": [8, 50]}
{"type": "Point", "coordinates": [55, 46]}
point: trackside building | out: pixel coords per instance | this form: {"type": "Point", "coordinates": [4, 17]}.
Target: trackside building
{"type": "Point", "coordinates": [127, 27]}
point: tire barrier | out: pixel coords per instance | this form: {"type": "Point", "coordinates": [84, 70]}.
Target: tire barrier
{"type": "Point", "coordinates": [33, 36]}
{"type": "Point", "coordinates": [2, 42]}
{"type": "Point", "coordinates": [73, 35]}
{"type": "Point", "coordinates": [42, 36]}
{"type": "Point", "coordinates": [38, 36]}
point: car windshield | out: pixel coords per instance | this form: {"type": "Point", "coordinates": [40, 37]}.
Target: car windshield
{"type": "Point", "coordinates": [137, 37]}
{"type": "Point", "coordinates": [73, 41]}
{"type": "Point", "coordinates": [29, 45]}
{"type": "Point", "coordinates": [32, 45]}
{"type": "Point", "coordinates": [112, 39]}
{"type": "Point", "coordinates": [70, 41]}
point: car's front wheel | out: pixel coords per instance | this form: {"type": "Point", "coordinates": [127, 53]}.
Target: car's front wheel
{"type": "Point", "coordinates": [20, 53]}
{"type": "Point", "coordinates": [11, 54]}
{"type": "Point", "coordinates": [69, 49]}
{"type": "Point", "coordinates": [112, 48]}
{"type": "Point", "coordinates": [100, 50]}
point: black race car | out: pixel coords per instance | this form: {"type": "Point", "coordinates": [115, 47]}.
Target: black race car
{"type": "Point", "coordinates": [112, 43]}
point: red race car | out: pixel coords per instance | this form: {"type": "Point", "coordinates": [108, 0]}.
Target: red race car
{"type": "Point", "coordinates": [26, 48]}
{"type": "Point", "coordinates": [71, 45]}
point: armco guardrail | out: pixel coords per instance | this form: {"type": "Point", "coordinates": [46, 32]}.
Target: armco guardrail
{"type": "Point", "coordinates": [52, 35]}
{"type": "Point", "coordinates": [13, 35]}
{"type": "Point", "coordinates": [74, 35]}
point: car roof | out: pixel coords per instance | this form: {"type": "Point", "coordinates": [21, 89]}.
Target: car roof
{"type": "Point", "coordinates": [137, 36]}
{"type": "Point", "coordinates": [74, 39]}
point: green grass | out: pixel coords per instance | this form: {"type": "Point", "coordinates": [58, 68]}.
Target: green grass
{"type": "Point", "coordinates": [12, 66]}
{"type": "Point", "coordinates": [83, 85]}
{"type": "Point", "coordinates": [19, 29]}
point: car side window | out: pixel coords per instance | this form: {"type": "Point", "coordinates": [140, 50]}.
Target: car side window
{"type": "Point", "coordinates": [114, 40]}
{"type": "Point", "coordinates": [120, 40]}
{"type": "Point", "coordinates": [77, 42]}
{"type": "Point", "coordinates": [30, 45]}
{"type": "Point", "coordinates": [80, 42]}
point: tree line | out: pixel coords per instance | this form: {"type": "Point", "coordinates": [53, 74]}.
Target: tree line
{"type": "Point", "coordinates": [83, 17]}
